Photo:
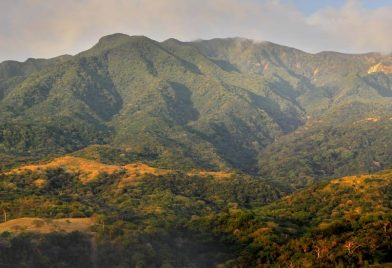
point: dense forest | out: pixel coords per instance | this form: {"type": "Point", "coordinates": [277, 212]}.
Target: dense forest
{"type": "Point", "coordinates": [179, 221]}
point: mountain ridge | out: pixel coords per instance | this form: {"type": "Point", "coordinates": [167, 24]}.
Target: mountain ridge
{"type": "Point", "coordinates": [126, 36]}
{"type": "Point", "coordinates": [212, 103]}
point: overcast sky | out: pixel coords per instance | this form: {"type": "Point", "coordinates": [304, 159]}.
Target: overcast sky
{"type": "Point", "coordinates": [47, 28]}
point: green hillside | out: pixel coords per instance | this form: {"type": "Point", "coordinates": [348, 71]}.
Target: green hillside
{"type": "Point", "coordinates": [165, 100]}
{"type": "Point", "coordinates": [344, 223]}
{"type": "Point", "coordinates": [328, 149]}
{"type": "Point", "coordinates": [180, 220]}
{"type": "Point", "coordinates": [137, 220]}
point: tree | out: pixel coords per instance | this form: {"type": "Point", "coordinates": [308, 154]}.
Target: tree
{"type": "Point", "coordinates": [5, 215]}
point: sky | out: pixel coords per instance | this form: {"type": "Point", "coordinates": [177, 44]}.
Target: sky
{"type": "Point", "coordinates": [48, 28]}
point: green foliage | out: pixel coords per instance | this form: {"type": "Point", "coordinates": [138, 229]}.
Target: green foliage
{"type": "Point", "coordinates": [182, 220]}
{"type": "Point", "coordinates": [139, 224]}
{"type": "Point", "coordinates": [327, 225]}
{"type": "Point", "coordinates": [325, 151]}
{"type": "Point", "coordinates": [51, 250]}
{"type": "Point", "coordinates": [211, 104]}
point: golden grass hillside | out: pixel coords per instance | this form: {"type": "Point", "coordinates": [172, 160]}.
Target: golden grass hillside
{"type": "Point", "coordinates": [351, 197]}
{"type": "Point", "coordinates": [380, 68]}
{"type": "Point", "coordinates": [362, 183]}
{"type": "Point", "coordinates": [90, 169]}
{"type": "Point", "coordinates": [41, 225]}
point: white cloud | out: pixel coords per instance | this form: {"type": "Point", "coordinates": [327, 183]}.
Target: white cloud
{"type": "Point", "coordinates": [360, 29]}
{"type": "Point", "coordinates": [42, 28]}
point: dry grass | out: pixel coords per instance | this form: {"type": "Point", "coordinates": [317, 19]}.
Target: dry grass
{"type": "Point", "coordinates": [380, 68]}
{"type": "Point", "coordinates": [362, 183]}
{"type": "Point", "coordinates": [372, 119]}
{"type": "Point", "coordinates": [40, 182]}
{"type": "Point", "coordinates": [90, 169]}
{"type": "Point", "coordinates": [136, 171]}
{"type": "Point", "coordinates": [369, 120]}
{"type": "Point", "coordinates": [40, 225]}
{"type": "Point", "coordinates": [219, 175]}
{"type": "Point", "coordinates": [353, 181]}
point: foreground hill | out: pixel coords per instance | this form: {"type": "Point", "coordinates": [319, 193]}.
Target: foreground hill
{"type": "Point", "coordinates": [212, 104]}
{"type": "Point", "coordinates": [191, 221]}
{"type": "Point", "coordinates": [136, 215]}
{"type": "Point", "coordinates": [346, 222]}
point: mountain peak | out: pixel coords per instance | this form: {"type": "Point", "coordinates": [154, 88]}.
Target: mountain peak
{"type": "Point", "coordinates": [120, 37]}
{"type": "Point", "coordinates": [114, 37]}
{"type": "Point", "coordinates": [172, 41]}
{"type": "Point", "coordinates": [116, 40]}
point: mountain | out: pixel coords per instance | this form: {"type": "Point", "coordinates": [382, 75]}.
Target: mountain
{"type": "Point", "coordinates": [170, 104]}
{"type": "Point", "coordinates": [215, 104]}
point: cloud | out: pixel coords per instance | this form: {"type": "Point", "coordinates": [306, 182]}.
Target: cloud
{"type": "Point", "coordinates": [41, 28]}
{"type": "Point", "coordinates": [359, 28]}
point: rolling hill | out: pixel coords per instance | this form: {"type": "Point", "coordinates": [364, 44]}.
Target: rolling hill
{"type": "Point", "coordinates": [346, 222]}
{"type": "Point", "coordinates": [116, 216]}
{"type": "Point", "coordinates": [196, 221]}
